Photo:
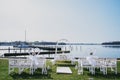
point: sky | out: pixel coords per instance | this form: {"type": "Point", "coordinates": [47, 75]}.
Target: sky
{"type": "Point", "coordinates": [89, 21]}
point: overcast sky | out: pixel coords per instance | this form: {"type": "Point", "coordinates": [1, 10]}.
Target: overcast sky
{"type": "Point", "coordinates": [51, 20]}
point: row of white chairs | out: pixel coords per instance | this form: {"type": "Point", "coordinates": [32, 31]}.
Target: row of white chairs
{"type": "Point", "coordinates": [26, 63]}
{"type": "Point", "coordinates": [101, 63]}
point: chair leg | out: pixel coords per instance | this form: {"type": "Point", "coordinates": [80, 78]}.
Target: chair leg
{"type": "Point", "coordinates": [10, 69]}
{"type": "Point", "coordinates": [31, 70]}
{"type": "Point", "coordinates": [20, 70]}
{"type": "Point", "coordinates": [115, 70]}
{"type": "Point", "coordinates": [92, 70]}
{"type": "Point", "coordinates": [45, 70]}
{"type": "Point", "coordinates": [80, 70]}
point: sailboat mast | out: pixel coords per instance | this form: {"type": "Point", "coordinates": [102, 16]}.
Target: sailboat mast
{"type": "Point", "coordinates": [25, 35]}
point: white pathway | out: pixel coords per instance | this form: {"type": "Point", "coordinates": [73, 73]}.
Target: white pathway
{"type": "Point", "coordinates": [64, 70]}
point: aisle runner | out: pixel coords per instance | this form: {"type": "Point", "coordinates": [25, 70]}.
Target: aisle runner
{"type": "Point", "coordinates": [64, 70]}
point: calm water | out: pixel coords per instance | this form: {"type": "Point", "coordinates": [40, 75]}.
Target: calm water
{"type": "Point", "coordinates": [98, 50]}
{"type": "Point", "coordinates": [84, 50]}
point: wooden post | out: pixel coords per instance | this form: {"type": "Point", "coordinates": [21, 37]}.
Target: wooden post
{"type": "Point", "coordinates": [20, 50]}
{"type": "Point", "coordinates": [8, 49]}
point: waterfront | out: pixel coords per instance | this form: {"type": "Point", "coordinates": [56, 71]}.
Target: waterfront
{"type": "Point", "coordinates": [81, 51]}
{"type": "Point", "coordinates": [76, 51]}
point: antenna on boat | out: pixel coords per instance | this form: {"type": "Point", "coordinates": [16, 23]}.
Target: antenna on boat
{"type": "Point", "coordinates": [25, 33]}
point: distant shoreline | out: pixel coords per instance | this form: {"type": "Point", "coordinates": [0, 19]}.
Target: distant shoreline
{"type": "Point", "coordinates": [111, 43]}
{"type": "Point", "coordinates": [13, 43]}
{"type": "Point", "coordinates": [46, 58]}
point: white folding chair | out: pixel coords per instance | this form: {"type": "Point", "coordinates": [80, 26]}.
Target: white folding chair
{"type": "Point", "coordinates": [80, 66]}
{"type": "Point", "coordinates": [25, 64]}
{"type": "Point", "coordinates": [112, 63]}
{"type": "Point", "coordinates": [13, 63]}
{"type": "Point", "coordinates": [82, 63]}
{"type": "Point", "coordinates": [41, 63]}
{"type": "Point", "coordinates": [102, 65]}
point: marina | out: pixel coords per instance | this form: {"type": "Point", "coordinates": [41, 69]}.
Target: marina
{"type": "Point", "coordinates": [76, 51]}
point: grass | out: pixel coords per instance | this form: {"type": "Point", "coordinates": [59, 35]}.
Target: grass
{"type": "Point", "coordinates": [52, 75]}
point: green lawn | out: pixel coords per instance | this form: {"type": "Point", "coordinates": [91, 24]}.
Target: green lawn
{"type": "Point", "coordinates": [52, 75]}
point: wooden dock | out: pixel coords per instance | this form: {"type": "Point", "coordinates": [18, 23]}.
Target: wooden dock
{"type": "Point", "coordinates": [41, 53]}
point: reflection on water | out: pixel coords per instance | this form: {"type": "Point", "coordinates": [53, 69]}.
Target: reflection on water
{"type": "Point", "coordinates": [111, 46]}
